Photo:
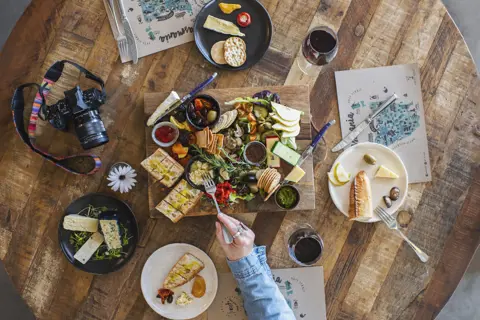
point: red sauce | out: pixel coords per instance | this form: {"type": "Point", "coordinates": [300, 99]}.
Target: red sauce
{"type": "Point", "coordinates": [165, 134]}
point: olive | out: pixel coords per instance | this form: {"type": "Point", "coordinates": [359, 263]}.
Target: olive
{"type": "Point", "coordinates": [369, 159]}
{"type": "Point", "coordinates": [211, 116]}
{"type": "Point", "coordinates": [203, 112]}
{"type": "Point", "coordinates": [170, 298]}
{"type": "Point", "coordinates": [388, 201]}
{"type": "Point", "coordinates": [180, 116]}
{"type": "Point", "coordinates": [249, 177]}
{"type": "Point", "coordinates": [394, 193]}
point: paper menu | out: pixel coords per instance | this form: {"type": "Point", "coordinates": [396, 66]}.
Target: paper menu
{"type": "Point", "coordinates": [303, 288]}
{"type": "Point", "coordinates": [159, 24]}
{"type": "Point", "coordinates": [401, 126]}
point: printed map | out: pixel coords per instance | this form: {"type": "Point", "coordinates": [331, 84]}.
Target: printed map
{"type": "Point", "coordinates": [401, 126]}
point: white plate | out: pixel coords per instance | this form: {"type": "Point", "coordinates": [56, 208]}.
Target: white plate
{"type": "Point", "coordinates": [156, 269]}
{"type": "Point", "coordinates": [352, 160]}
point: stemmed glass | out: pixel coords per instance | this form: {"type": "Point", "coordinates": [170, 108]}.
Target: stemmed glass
{"type": "Point", "coordinates": [319, 47]}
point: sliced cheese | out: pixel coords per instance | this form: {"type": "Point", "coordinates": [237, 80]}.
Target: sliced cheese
{"type": "Point", "coordinates": [222, 26]}
{"type": "Point", "coordinates": [384, 172]}
{"type": "Point", "coordinates": [89, 248]}
{"type": "Point", "coordinates": [272, 160]}
{"type": "Point", "coordinates": [76, 222]}
{"type": "Point", "coordinates": [285, 153]}
{"type": "Point", "coordinates": [161, 110]}
{"type": "Point", "coordinates": [111, 233]}
{"type": "Point", "coordinates": [295, 175]}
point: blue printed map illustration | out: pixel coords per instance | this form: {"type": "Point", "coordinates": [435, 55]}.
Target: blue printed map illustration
{"type": "Point", "coordinates": [164, 9]}
{"type": "Point", "coordinates": [396, 122]}
{"type": "Point", "coordinates": [401, 126]}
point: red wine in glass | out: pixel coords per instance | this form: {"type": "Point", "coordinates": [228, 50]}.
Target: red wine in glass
{"type": "Point", "coordinates": [319, 47]}
{"type": "Point", "coordinates": [305, 246]}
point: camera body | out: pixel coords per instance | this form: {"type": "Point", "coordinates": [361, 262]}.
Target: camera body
{"type": "Point", "coordinates": [81, 107]}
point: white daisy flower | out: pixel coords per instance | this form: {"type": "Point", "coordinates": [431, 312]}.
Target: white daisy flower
{"type": "Point", "coordinates": [122, 178]}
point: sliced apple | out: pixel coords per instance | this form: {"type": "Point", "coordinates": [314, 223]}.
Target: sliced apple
{"type": "Point", "coordinates": [283, 121]}
{"type": "Point", "coordinates": [281, 127]}
{"type": "Point", "coordinates": [286, 113]}
{"type": "Point", "coordinates": [333, 180]}
{"type": "Point", "coordinates": [293, 134]}
{"type": "Point", "coordinates": [341, 174]}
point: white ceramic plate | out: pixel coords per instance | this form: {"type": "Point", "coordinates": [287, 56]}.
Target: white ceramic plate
{"type": "Point", "coordinates": [352, 160]}
{"type": "Point", "coordinates": [156, 269]}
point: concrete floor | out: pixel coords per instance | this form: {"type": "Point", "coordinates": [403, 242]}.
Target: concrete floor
{"type": "Point", "coordinates": [465, 302]}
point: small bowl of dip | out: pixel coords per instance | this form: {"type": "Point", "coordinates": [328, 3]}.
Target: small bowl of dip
{"type": "Point", "coordinates": [255, 153]}
{"type": "Point", "coordinates": [287, 197]}
{"type": "Point", "coordinates": [165, 134]}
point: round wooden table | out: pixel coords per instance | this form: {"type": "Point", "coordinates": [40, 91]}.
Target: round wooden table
{"type": "Point", "coordinates": [369, 272]}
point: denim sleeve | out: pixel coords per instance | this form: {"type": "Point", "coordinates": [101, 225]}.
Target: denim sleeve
{"type": "Point", "coordinates": [261, 297]}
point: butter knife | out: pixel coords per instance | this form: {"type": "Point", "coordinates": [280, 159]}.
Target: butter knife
{"type": "Point", "coordinates": [127, 27]}
{"type": "Point", "coordinates": [358, 129]}
{"type": "Point", "coordinates": [309, 150]}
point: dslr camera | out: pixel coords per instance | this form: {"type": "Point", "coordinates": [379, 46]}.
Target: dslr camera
{"type": "Point", "coordinates": [81, 108]}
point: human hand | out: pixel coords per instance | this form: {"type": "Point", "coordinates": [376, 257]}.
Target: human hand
{"type": "Point", "coordinates": [242, 245]}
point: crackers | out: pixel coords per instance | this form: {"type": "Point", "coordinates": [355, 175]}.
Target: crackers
{"type": "Point", "coordinates": [232, 51]}
{"type": "Point", "coordinates": [269, 181]}
{"type": "Point", "coordinates": [217, 52]}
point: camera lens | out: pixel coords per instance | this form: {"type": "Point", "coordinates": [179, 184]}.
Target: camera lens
{"type": "Point", "coordinates": [90, 129]}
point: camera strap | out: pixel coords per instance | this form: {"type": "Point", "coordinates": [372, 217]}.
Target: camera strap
{"type": "Point", "coordinates": [18, 107]}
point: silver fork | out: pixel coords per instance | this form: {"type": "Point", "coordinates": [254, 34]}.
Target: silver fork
{"type": "Point", "coordinates": [391, 223]}
{"type": "Point", "coordinates": [211, 188]}
{"type": "Point", "coordinates": [121, 38]}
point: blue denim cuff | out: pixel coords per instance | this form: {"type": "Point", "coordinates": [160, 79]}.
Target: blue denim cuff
{"type": "Point", "coordinates": [249, 265]}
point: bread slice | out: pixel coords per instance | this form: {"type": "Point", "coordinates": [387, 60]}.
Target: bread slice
{"type": "Point", "coordinates": [186, 268]}
{"type": "Point", "coordinates": [360, 198]}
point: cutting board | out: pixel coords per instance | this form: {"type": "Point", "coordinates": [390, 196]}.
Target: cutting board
{"type": "Point", "coordinates": [294, 96]}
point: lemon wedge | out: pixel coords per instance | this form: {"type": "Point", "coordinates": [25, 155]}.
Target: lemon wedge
{"type": "Point", "coordinates": [333, 180]}
{"type": "Point", "coordinates": [178, 124]}
{"type": "Point", "coordinates": [341, 174]}
{"type": "Point", "coordinates": [384, 172]}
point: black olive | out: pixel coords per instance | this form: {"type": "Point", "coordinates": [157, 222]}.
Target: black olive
{"type": "Point", "coordinates": [158, 296]}
{"type": "Point", "coordinates": [249, 177]}
{"type": "Point", "coordinates": [180, 116]}
{"type": "Point", "coordinates": [184, 137]}
{"type": "Point", "coordinates": [204, 112]}
{"type": "Point", "coordinates": [170, 298]}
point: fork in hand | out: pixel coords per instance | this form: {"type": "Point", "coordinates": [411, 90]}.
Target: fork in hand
{"type": "Point", "coordinates": [391, 223]}
{"type": "Point", "coordinates": [210, 188]}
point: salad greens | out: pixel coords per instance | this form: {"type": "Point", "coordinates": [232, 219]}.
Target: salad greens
{"type": "Point", "coordinates": [78, 238]}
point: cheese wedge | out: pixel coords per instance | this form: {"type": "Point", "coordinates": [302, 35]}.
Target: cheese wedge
{"type": "Point", "coordinates": [384, 172]}
{"type": "Point", "coordinates": [295, 175]}
{"type": "Point", "coordinates": [76, 222]}
{"type": "Point", "coordinates": [111, 233]}
{"type": "Point", "coordinates": [89, 248]}
{"type": "Point", "coordinates": [222, 26]}
{"type": "Point", "coordinates": [172, 98]}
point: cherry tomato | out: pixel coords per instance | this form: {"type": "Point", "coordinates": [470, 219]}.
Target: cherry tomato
{"type": "Point", "coordinates": [244, 19]}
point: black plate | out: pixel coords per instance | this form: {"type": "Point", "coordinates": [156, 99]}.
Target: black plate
{"type": "Point", "coordinates": [124, 215]}
{"type": "Point", "coordinates": [257, 35]}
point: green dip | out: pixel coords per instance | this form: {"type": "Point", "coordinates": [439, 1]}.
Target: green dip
{"type": "Point", "coordinates": [287, 197]}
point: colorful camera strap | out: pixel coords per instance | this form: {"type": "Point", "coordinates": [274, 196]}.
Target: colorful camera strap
{"type": "Point", "coordinates": [18, 107]}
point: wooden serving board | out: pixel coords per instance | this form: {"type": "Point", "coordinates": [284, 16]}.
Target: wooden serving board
{"type": "Point", "coordinates": [294, 96]}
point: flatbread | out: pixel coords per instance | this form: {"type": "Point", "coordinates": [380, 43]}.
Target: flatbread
{"type": "Point", "coordinates": [234, 52]}
{"type": "Point", "coordinates": [235, 41]}
{"type": "Point", "coordinates": [217, 52]}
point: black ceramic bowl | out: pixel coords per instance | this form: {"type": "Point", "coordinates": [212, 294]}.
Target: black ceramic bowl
{"type": "Point", "coordinates": [188, 169]}
{"type": "Point", "coordinates": [189, 113]}
{"type": "Point", "coordinates": [123, 214]}
{"type": "Point", "coordinates": [257, 35]}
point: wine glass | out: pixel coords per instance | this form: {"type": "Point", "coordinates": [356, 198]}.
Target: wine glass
{"type": "Point", "coordinates": [305, 246]}
{"type": "Point", "coordinates": [319, 47]}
